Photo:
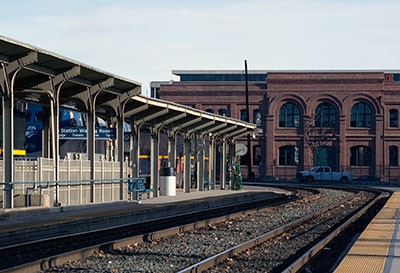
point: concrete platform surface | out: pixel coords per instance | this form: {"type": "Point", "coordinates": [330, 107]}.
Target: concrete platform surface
{"type": "Point", "coordinates": [377, 250]}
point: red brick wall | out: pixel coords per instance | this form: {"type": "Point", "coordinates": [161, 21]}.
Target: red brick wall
{"type": "Point", "coordinates": [307, 89]}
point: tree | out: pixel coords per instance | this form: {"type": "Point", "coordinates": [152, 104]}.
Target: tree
{"type": "Point", "coordinates": [316, 138]}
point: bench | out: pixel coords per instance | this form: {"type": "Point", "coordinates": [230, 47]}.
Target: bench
{"type": "Point", "coordinates": [207, 184]}
{"type": "Point", "coordinates": [137, 186]}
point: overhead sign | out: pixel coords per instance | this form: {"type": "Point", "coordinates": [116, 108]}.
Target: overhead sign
{"type": "Point", "coordinates": [81, 133]}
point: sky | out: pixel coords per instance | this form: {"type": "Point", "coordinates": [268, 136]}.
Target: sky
{"type": "Point", "coordinates": [143, 40]}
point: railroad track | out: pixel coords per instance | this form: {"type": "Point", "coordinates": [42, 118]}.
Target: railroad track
{"type": "Point", "coordinates": [296, 242]}
{"type": "Point", "coordinates": [42, 254]}
{"type": "Point", "coordinates": [140, 245]}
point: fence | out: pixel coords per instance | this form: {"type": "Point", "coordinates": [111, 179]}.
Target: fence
{"type": "Point", "coordinates": [36, 181]}
{"type": "Point", "coordinates": [66, 193]}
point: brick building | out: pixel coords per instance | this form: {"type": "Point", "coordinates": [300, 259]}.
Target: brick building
{"type": "Point", "coordinates": [348, 120]}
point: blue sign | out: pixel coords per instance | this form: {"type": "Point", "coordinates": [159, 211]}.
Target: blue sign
{"type": "Point", "coordinates": [81, 133]}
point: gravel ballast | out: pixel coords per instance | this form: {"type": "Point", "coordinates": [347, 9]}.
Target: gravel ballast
{"type": "Point", "coordinates": [173, 253]}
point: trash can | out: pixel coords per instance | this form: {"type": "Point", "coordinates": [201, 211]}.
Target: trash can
{"type": "Point", "coordinates": [167, 181]}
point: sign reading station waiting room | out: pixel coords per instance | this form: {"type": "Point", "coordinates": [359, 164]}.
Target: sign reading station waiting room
{"type": "Point", "coordinates": [81, 132]}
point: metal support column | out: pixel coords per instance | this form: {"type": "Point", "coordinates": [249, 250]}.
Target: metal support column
{"type": "Point", "coordinates": [171, 149]}
{"type": "Point", "coordinates": [8, 75]}
{"type": "Point", "coordinates": [231, 160]}
{"type": "Point", "coordinates": [212, 163]}
{"type": "Point", "coordinates": [187, 176]}
{"type": "Point", "coordinates": [200, 164]}
{"type": "Point", "coordinates": [195, 161]}
{"type": "Point", "coordinates": [135, 138]}
{"type": "Point", "coordinates": [121, 156]}
{"type": "Point", "coordinates": [8, 143]}
{"type": "Point", "coordinates": [223, 164]}
{"type": "Point", "coordinates": [54, 154]}
{"type": "Point", "coordinates": [91, 144]}
{"type": "Point", "coordinates": [154, 160]}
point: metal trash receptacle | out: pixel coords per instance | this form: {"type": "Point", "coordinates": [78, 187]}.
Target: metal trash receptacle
{"type": "Point", "coordinates": [167, 181]}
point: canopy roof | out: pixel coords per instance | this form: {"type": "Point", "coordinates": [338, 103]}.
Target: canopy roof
{"type": "Point", "coordinates": [42, 71]}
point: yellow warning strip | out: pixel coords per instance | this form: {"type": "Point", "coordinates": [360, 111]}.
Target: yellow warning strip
{"type": "Point", "coordinates": [16, 152]}
{"type": "Point", "coordinates": [370, 251]}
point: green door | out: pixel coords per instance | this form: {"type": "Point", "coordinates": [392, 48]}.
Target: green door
{"type": "Point", "coordinates": [325, 156]}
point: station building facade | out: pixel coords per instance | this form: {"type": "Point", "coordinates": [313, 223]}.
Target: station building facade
{"type": "Point", "coordinates": [348, 120]}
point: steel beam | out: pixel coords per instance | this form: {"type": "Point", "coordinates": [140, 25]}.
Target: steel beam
{"type": "Point", "coordinates": [139, 109]}
{"type": "Point", "coordinates": [102, 86]}
{"type": "Point", "coordinates": [236, 136]}
{"type": "Point", "coordinates": [41, 70]}
{"type": "Point", "coordinates": [4, 58]}
{"type": "Point", "coordinates": [80, 81]}
{"type": "Point", "coordinates": [237, 132]}
{"type": "Point", "coordinates": [225, 130]}
{"type": "Point", "coordinates": [60, 78]}
{"type": "Point", "coordinates": [167, 119]}
{"type": "Point", "coordinates": [199, 127]}
{"type": "Point", "coordinates": [188, 123]}
{"type": "Point", "coordinates": [152, 116]}
{"type": "Point", "coordinates": [32, 57]}
{"type": "Point", "coordinates": [124, 96]}
{"type": "Point", "coordinates": [215, 128]}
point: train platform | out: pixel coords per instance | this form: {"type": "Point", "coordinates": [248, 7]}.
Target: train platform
{"type": "Point", "coordinates": [377, 250]}
{"type": "Point", "coordinates": [17, 225]}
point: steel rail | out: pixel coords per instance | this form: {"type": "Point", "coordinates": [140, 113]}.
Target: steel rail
{"type": "Point", "coordinates": [231, 252]}
{"type": "Point", "coordinates": [307, 256]}
{"type": "Point", "coordinates": [59, 259]}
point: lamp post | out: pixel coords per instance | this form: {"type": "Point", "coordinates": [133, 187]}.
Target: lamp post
{"type": "Point", "coordinates": [248, 120]}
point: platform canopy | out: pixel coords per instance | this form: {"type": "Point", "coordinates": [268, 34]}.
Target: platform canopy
{"type": "Point", "coordinates": [31, 74]}
{"type": "Point", "coordinates": [44, 74]}
{"type": "Point", "coordinates": [175, 117]}
{"type": "Point", "coordinates": [44, 70]}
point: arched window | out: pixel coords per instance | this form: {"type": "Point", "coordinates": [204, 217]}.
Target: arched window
{"type": "Point", "coordinates": [360, 156]}
{"type": "Point", "coordinates": [289, 155]}
{"type": "Point", "coordinates": [393, 118]}
{"type": "Point", "coordinates": [209, 110]}
{"type": "Point", "coordinates": [361, 115]}
{"type": "Point", "coordinates": [325, 116]}
{"type": "Point", "coordinates": [223, 112]}
{"type": "Point", "coordinates": [393, 156]}
{"type": "Point", "coordinates": [289, 115]}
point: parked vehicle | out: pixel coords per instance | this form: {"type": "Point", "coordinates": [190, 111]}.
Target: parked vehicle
{"type": "Point", "coordinates": [323, 173]}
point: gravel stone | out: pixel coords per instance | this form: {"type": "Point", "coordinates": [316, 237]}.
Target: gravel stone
{"type": "Point", "coordinates": [176, 252]}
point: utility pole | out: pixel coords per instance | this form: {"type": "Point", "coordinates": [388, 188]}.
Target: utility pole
{"type": "Point", "coordinates": [248, 120]}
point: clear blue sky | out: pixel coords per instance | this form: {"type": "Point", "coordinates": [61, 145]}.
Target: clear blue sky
{"type": "Point", "coordinates": [145, 40]}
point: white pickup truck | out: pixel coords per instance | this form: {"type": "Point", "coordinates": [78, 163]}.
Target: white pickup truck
{"type": "Point", "coordinates": [324, 173]}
